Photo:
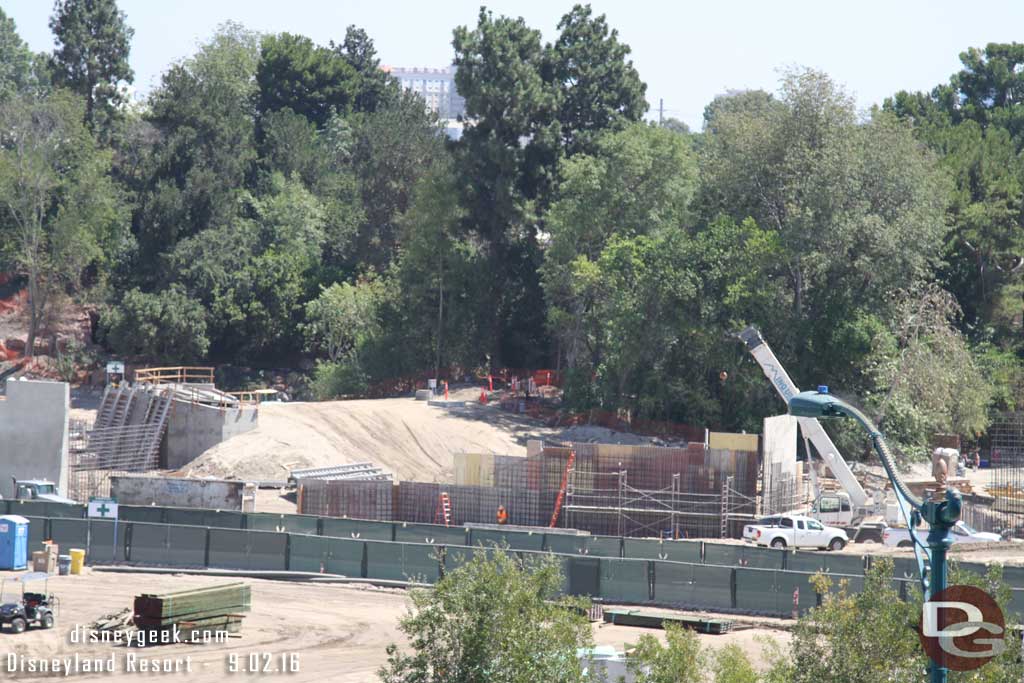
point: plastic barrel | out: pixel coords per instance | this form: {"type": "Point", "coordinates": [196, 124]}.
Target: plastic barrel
{"type": "Point", "coordinates": [63, 564]}
{"type": "Point", "coordinates": [77, 560]}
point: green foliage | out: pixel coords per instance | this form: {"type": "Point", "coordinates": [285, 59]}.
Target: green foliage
{"type": "Point", "coordinates": [168, 327]}
{"type": "Point", "coordinates": [680, 660]}
{"type": "Point", "coordinates": [731, 665]}
{"type": "Point", "coordinates": [91, 56]}
{"type": "Point", "coordinates": [62, 214]}
{"type": "Point", "coordinates": [334, 380]}
{"type": "Point", "coordinates": [495, 618]}
{"type": "Point", "coordinates": [344, 318]}
{"type": "Point", "coordinates": [15, 60]}
{"type": "Point", "coordinates": [296, 74]}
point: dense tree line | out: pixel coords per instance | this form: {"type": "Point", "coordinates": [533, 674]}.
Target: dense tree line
{"type": "Point", "coordinates": [274, 201]}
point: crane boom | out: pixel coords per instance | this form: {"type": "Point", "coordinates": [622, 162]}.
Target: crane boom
{"type": "Point", "coordinates": [810, 426]}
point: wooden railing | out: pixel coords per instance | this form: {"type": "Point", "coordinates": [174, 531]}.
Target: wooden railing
{"type": "Point", "coordinates": [175, 375]}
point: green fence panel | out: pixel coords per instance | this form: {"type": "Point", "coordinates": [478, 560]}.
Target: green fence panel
{"type": "Point", "coordinates": [29, 508]}
{"type": "Point", "coordinates": [722, 554]}
{"type": "Point", "coordinates": [103, 547]}
{"type": "Point", "coordinates": [625, 580]}
{"type": "Point", "coordinates": [186, 545]}
{"type": "Point", "coordinates": [69, 533]}
{"type": "Point", "coordinates": [566, 544]}
{"type": "Point", "coordinates": [421, 562]}
{"type": "Point", "coordinates": [65, 510]}
{"type": "Point", "coordinates": [836, 563]}
{"type": "Point", "coordinates": [755, 591]}
{"type": "Point", "coordinates": [431, 534]}
{"type": "Point", "coordinates": [138, 513]}
{"type": "Point", "coordinates": [186, 517]}
{"type": "Point", "coordinates": [692, 585]}
{"type": "Point", "coordinates": [516, 540]}
{"type": "Point", "coordinates": [5, 507]}
{"type": "Point", "coordinates": [1016, 605]}
{"type": "Point", "coordinates": [975, 568]}
{"type": "Point", "coordinates": [457, 556]}
{"type": "Point", "coordinates": [306, 553]}
{"type": "Point", "coordinates": [267, 551]}
{"type": "Point", "coordinates": [1014, 576]}
{"type": "Point", "coordinates": [799, 561]}
{"type": "Point", "coordinates": [292, 524]}
{"type": "Point", "coordinates": [605, 546]}
{"type": "Point", "coordinates": [337, 527]}
{"type": "Point", "coordinates": [761, 558]}
{"type": "Point", "coordinates": [344, 556]}
{"type": "Point", "coordinates": [228, 549]}
{"type": "Point", "coordinates": [905, 568]}
{"type": "Point", "coordinates": [585, 576]}
{"type": "Point", "coordinates": [147, 543]}
{"type": "Point", "coordinates": [385, 561]}
{"type": "Point", "coordinates": [786, 584]}
{"type": "Point", "coordinates": [653, 549]}
{"type": "Point", "coordinates": [38, 531]}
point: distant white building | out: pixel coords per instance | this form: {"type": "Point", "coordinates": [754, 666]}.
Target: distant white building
{"type": "Point", "coordinates": [435, 86]}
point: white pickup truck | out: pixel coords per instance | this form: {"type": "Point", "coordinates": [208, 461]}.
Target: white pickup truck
{"type": "Point", "coordinates": [900, 536]}
{"type": "Point", "coordinates": [795, 531]}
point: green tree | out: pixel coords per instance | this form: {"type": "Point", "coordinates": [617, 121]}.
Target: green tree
{"type": "Point", "coordinates": [680, 660]}
{"type": "Point", "coordinates": [294, 73]}
{"type": "Point", "coordinates": [205, 120]}
{"type": "Point", "coordinates": [600, 88]}
{"type": "Point", "coordinates": [495, 618]}
{"type": "Point", "coordinates": [373, 85]}
{"type": "Point", "coordinates": [91, 55]}
{"type": "Point", "coordinates": [15, 60]}
{"type": "Point", "coordinates": [165, 327]}
{"type": "Point", "coordinates": [63, 213]}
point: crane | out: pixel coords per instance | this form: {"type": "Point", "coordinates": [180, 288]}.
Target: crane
{"type": "Point", "coordinates": [861, 505]}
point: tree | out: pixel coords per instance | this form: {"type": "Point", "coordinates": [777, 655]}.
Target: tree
{"type": "Point", "coordinates": [373, 85]}
{"type": "Point", "coordinates": [204, 116]}
{"type": "Point", "coordinates": [680, 660]}
{"type": "Point", "coordinates": [857, 207]}
{"type": "Point", "coordinates": [91, 56]}
{"type": "Point", "coordinates": [601, 90]}
{"type": "Point", "coordinates": [15, 60]}
{"type": "Point", "coordinates": [495, 618]}
{"type": "Point", "coordinates": [165, 327]}
{"type": "Point", "coordinates": [63, 213]}
{"type": "Point", "coordinates": [296, 74]}
{"type": "Point", "coordinates": [506, 159]}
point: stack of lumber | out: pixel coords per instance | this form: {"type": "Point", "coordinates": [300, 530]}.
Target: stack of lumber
{"type": "Point", "coordinates": [211, 609]}
{"type": "Point", "coordinates": [649, 618]}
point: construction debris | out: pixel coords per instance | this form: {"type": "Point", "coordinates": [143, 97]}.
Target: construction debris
{"type": "Point", "coordinates": [195, 613]}
{"type": "Point", "coordinates": [118, 621]}
{"type": "Point", "coordinates": [363, 471]}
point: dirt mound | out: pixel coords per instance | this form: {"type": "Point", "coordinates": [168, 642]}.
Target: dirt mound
{"type": "Point", "coordinates": [412, 440]}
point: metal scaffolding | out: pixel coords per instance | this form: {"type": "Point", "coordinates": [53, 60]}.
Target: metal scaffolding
{"type": "Point", "coordinates": [1006, 460]}
{"type": "Point", "coordinates": [96, 454]}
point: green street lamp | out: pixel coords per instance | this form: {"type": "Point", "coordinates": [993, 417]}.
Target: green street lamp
{"type": "Point", "coordinates": [940, 515]}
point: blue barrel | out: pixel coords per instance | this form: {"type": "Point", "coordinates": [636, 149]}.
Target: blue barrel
{"type": "Point", "coordinates": [13, 542]}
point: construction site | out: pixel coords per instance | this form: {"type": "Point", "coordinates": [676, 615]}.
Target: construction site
{"type": "Point", "coordinates": [352, 502]}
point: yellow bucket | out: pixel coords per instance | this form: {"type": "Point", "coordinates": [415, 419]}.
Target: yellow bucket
{"type": "Point", "coordinates": [77, 560]}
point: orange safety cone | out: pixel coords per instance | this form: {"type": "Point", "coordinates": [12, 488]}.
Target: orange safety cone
{"type": "Point", "coordinates": [446, 390]}
{"type": "Point", "coordinates": [490, 382]}
{"type": "Point", "coordinates": [483, 397]}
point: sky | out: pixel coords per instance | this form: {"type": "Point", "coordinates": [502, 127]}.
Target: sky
{"type": "Point", "coordinates": [687, 52]}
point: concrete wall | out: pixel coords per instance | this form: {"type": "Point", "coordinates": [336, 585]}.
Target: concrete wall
{"type": "Point", "coordinates": [34, 433]}
{"type": "Point", "coordinates": [193, 428]}
{"type": "Point", "coordinates": [216, 494]}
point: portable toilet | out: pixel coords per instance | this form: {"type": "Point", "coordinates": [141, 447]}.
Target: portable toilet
{"type": "Point", "coordinates": [13, 542]}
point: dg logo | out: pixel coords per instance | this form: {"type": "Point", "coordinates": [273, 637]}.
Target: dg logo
{"type": "Point", "coordinates": [962, 628]}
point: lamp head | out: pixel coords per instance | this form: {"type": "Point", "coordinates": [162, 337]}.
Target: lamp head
{"type": "Point", "coordinates": [816, 404]}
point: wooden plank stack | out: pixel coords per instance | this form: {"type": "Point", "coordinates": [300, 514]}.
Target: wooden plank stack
{"type": "Point", "coordinates": [210, 609]}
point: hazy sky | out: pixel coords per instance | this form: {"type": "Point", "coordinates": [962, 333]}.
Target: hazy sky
{"type": "Point", "coordinates": [686, 52]}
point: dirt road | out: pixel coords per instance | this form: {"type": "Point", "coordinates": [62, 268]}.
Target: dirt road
{"type": "Point", "coordinates": [331, 632]}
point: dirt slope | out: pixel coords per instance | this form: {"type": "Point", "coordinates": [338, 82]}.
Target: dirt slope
{"type": "Point", "coordinates": [412, 440]}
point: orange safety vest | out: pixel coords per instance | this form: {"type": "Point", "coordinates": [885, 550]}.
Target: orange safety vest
{"type": "Point", "coordinates": [502, 517]}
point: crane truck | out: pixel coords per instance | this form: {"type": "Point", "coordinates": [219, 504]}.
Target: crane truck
{"type": "Point", "coordinates": [863, 516]}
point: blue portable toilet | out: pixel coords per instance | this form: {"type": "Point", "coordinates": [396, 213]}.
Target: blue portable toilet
{"type": "Point", "coordinates": [13, 542]}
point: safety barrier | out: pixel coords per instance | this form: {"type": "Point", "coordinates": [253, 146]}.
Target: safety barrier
{"type": "Point", "coordinates": [744, 589]}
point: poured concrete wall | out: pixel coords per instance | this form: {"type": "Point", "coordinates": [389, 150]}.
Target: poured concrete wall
{"type": "Point", "coordinates": [217, 494]}
{"type": "Point", "coordinates": [192, 428]}
{"type": "Point", "coordinates": [34, 433]}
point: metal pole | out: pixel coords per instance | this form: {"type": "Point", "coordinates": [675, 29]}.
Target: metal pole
{"type": "Point", "coordinates": [941, 517]}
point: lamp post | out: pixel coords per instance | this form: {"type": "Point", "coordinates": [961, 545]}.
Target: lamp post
{"type": "Point", "coordinates": [940, 515]}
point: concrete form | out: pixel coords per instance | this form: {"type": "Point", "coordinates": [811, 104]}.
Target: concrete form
{"type": "Point", "coordinates": [34, 433]}
{"type": "Point", "coordinates": [192, 428]}
{"type": "Point", "coordinates": [216, 494]}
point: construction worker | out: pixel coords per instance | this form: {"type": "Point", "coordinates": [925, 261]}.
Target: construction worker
{"type": "Point", "coordinates": [502, 515]}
